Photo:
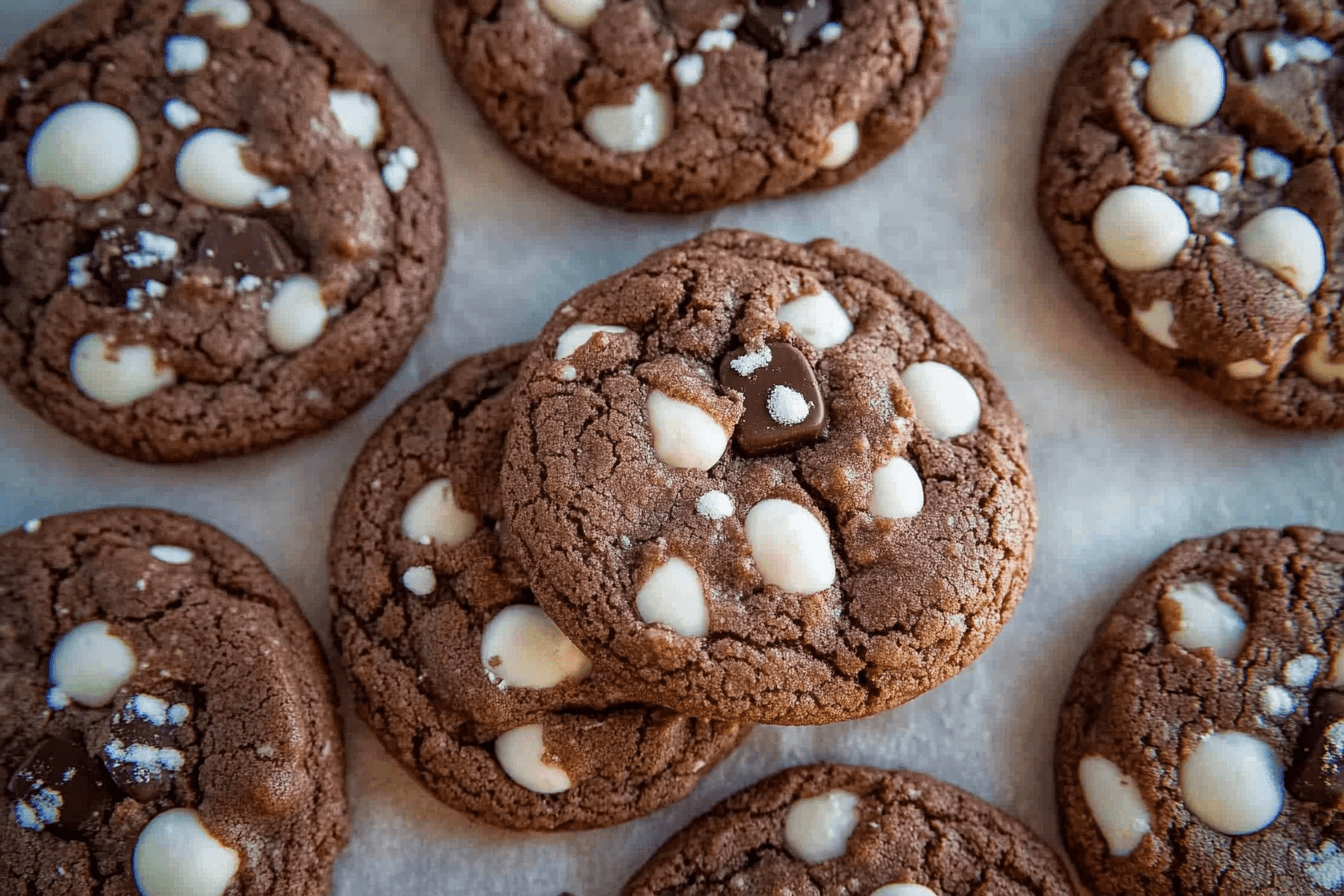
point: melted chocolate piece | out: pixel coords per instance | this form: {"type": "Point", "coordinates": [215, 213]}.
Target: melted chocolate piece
{"type": "Point", "coordinates": [130, 258]}
{"type": "Point", "coordinates": [143, 754]}
{"type": "Point", "coordinates": [1317, 775]}
{"type": "Point", "coordinates": [59, 786]}
{"type": "Point", "coordinates": [784, 409]}
{"type": "Point", "coordinates": [1246, 51]}
{"type": "Point", "coordinates": [786, 27]}
{"type": "Point", "coordinates": [237, 246]}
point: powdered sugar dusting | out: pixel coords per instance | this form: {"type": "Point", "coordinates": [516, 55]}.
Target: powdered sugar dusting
{"type": "Point", "coordinates": [787, 406]}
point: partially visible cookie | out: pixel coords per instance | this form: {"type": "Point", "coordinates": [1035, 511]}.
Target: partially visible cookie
{"type": "Point", "coordinates": [685, 105]}
{"type": "Point", "coordinates": [455, 668]}
{"type": "Point", "coordinates": [842, 829]}
{"type": "Point", "coordinates": [1201, 744]}
{"type": "Point", "coordinates": [194, 261]}
{"type": "Point", "coordinates": [167, 722]}
{"type": "Point", "coordinates": [1189, 181]}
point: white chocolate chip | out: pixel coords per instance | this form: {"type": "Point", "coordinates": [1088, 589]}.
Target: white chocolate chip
{"type": "Point", "coordinates": [1278, 54]}
{"type": "Point", "coordinates": [841, 145]}
{"type": "Point", "coordinates": [90, 664]}
{"type": "Point", "coordinates": [818, 318]}
{"type": "Point", "coordinates": [210, 168]}
{"type": "Point", "coordinates": [715, 505]}
{"type": "Point", "coordinates": [790, 547]}
{"type": "Point", "coordinates": [1115, 803]}
{"type": "Point", "coordinates": [575, 14]}
{"type": "Point", "coordinates": [522, 648]}
{"type": "Point", "coordinates": [684, 435]}
{"type": "Point", "coordinates": [185, 53]}
{"type": "Point", "coordinates": [1313, 49]}
{"type": "Point", "coordinates": [1156, 322]}
{"type": "Point", "coordinates": [358, 114]}
{"type": "Point", "coordinates": [578, 335]}
{"type": "Point", "coordinates": [1186, 82]}
{"type": "Point", "coordinates": [170, 553]}
{"type": "Point", "coordinates": [88, 149]}
{"type": "Point", "coordinates": [434, 516]}
{"type": "Point", "coordinates": [176, 856]}
{"type": "Point", "coordinates": [1301, 671]}
{"type": "Point", "coordinates": [817, 828]}
{"type": "Point", "coordinates": [638, 126]}
{"type": "Point", "coordinates": [1139, 69]}
{"type": "Point", "coordinates": [1206, 621]}
{"type": "Point", "coordinates": [116, 376]}
{"type": "Point", "coordinates": [1276, 702]}
{"type": "Point", "coordinates": [830, 32]}
{"type": "Point", "coordinates": [1140, 229]}
{"type": "Point", "coordinates": [32, 526]}
{"type": "Point", "coordinates": [1220, 180]}
{"type": "Point", "coordinates": [57, 699]}
{"type": "Point", "coordinates": [689, 70]}
{"type": "Point", "coordinates": [1269, 166]}
{"type": "Point", "coordinates": [718, 39]}
{"type": "Point", "coordinates": [297, 314]}
{"type": "Point", "coordinates": [787, 406]}
{"type": "Point", "coordinates": [1288, 243]}
{"type": "Point", "coordinates": [675, 597]}
{"type": "Point", "coordinates": [1233, 783]}
{"type": "Point", "coordinates": [227, 13]}
{"type": "Point", "coordinates": [945, 401]}
{"type": "Point", "coordinates": [78, 271]}
{"type": "Point", "coordinates": [898, 493]}
{"type": "Point", "coordinates": [521, 752]}
{"type": "Point", "coordinates": [1223, 238]}
{"type": "Point", "coordinates": [1206, 202]}
{"type": "Point", "coordinates": [273, 196]}
{"type": "Point", "coordinates": [730, 20]}
{"type": "Point", "coordinates": [1247, 369]}
{"type": "Point", "coordinates": [419, 580]}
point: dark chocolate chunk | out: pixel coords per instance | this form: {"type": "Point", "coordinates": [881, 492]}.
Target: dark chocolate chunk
{"type": "Point", "coordinates": [59, 786]}
{"type": "Point", "coordinates": [128, 259]}
{"type": "Point", "coordinates": [1246, 51]}
{"type": "Point", "coordinates": [784, 409]}
{"type": "Point", "coordinates": [143, 753]}
{"type": "Point", "coordinates": [237, 246]}
{"type": "Point", "coordinates": [786, 27]}
{"type": "Point", "coordinates": [1317, 775]}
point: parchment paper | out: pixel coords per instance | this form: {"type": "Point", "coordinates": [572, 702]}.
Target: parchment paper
{"type": "Point", "coordinates": [1127, 462]}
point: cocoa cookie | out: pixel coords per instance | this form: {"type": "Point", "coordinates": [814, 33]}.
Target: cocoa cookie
{"type": "Point", "coordinates": [195, 263]}
{"type": "Point", "coordinates": [1199, 747]}
{"type": "Point", "coordinates": [844, 829]}
{"type": "Point", "coordinates": [464, 679]}
{"type": "Point", "coordinates": [768, 482]}
{"type": "Point", "coordinates": [168, 724]}
{"type": "Point", "coordinates": [685, 105]}
{"type": "Point", "coordinates": [1188, 179]}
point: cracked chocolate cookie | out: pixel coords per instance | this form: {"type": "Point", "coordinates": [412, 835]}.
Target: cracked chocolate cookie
{"type": "Point", "coordinates": [844, 830]}
{"type": "Point", "coordinates": [1201, 744]}
{"type": "Point", "coordinates": [167, 722]}
{"type": "Point", "coordinates": [685, 105]}
{"type": "Point", "coordinates": [768, 482]}
{"type": "Point", "coordinates": [461, 675]}
{"type": "Point", "coordinates": [192, 262]}
{"type": "Point", "coordinates": [1190, 181]}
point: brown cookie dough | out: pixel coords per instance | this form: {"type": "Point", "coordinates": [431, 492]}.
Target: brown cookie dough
{"type": "Point", "coordinates": [838, 573]}
{"type": "Point", "coordinates": [194, 263]}
{"type": "Point", "coordinates": [1199, 747]}
{"type": "Point", "coordinates": [458, 672]}
{"type": "Point", "coordinates": [166, 715]}
{"type": "Point", "coordinates": [1190, 181]}
{"type": "Point", "coordinates": [843, 830]}
{"type": "Point", "coordinates": [685, 105]}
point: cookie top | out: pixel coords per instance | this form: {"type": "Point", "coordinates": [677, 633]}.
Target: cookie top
{"type": "Point", "coordinates": [685, 105]}
{"type": "Point", "coordinates": [1199, 747]}
{"type": "Point", "coordinates": [459, 673]}
{"type": "Point", "coordinates": [167, 725]}
{"type": "Point", "coordinates": [844, 829]}
{"type": "Point", "coordinates": [1188, 181]}
{"type": "Point", "coordinates": [193, 263]}
{"type": "Point", "coordinates": [769, 482]}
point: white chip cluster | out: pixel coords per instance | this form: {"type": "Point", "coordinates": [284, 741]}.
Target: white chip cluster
{"type": "Point", "coordinates": [397, 167]}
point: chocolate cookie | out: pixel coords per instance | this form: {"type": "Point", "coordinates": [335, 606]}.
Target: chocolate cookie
{"type": "Point", "coordinates": [1200, 745]}
{"type": "Point", "coordinates": [769, 482]}
{"type": "Point", "coordinates": [459, 673]}
{"type": "Point", "coordinates": [195, 263]}
{"type": "Point", "coordinates": [843, 829]}
{"type": "Point", "coordinates": [1189, 181]}
{"type": "Point", "coordinates": [685, 105]}
{"type": "Point", "coordinates": [167, 721]}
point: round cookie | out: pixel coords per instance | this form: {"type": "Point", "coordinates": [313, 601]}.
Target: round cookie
{"type": "Point", "coordinates": [167, 725]}
{"type": "Point", "coordinates": [843, 829]}
{"type": "Point", "coordinates": [193, 263]}
{"type": "Point", "coordinates": [1188, 179]}
{"type": "Point", "coordinates": [1199, 744]}
{"type": "Point", "coordinates": [687, 105]}
{"type": "Point", "coordinates": [462, 677]}
{"type": "Point", "coordinates": [769, 482]}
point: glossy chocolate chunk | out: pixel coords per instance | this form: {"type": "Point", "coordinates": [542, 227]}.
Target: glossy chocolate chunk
{"type": "Point", "coordinates": [143, 754]}
{"type": "Point", "coordinates": [786, 27]}
{"type": "Point", "coordinates": [783, 408]}
{"type": "Point", "coordinates": [1246, 51]}
{"type": "Point", "coordinates": [1317, 775]}
{"type": "Point", "coordinates": [131, 258]}
{"type": "Point", "coordinates": [60, 787]}
{"type": "Point", "coordinates": [238, 246]}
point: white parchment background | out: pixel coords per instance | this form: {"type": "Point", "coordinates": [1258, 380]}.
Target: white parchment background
{"type": "Point", "coordinates": [1127, 462]}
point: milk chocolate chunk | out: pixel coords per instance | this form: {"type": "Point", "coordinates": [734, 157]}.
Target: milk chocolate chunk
{"type": "Point", "coordinates": [1317, 775]}
{"type": "Point", "coordinates": [784, 409]}
{"type": "Point", "coordinates": [130, 258]}
{"type": "Point", "coordinates": [786, 27]}
{"type": "Point", "coordinates": [238, 246]}
{"type": "Point", "coordinates": [143, 754]}
{"type": "Point", "coordinates": [59, 786]}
